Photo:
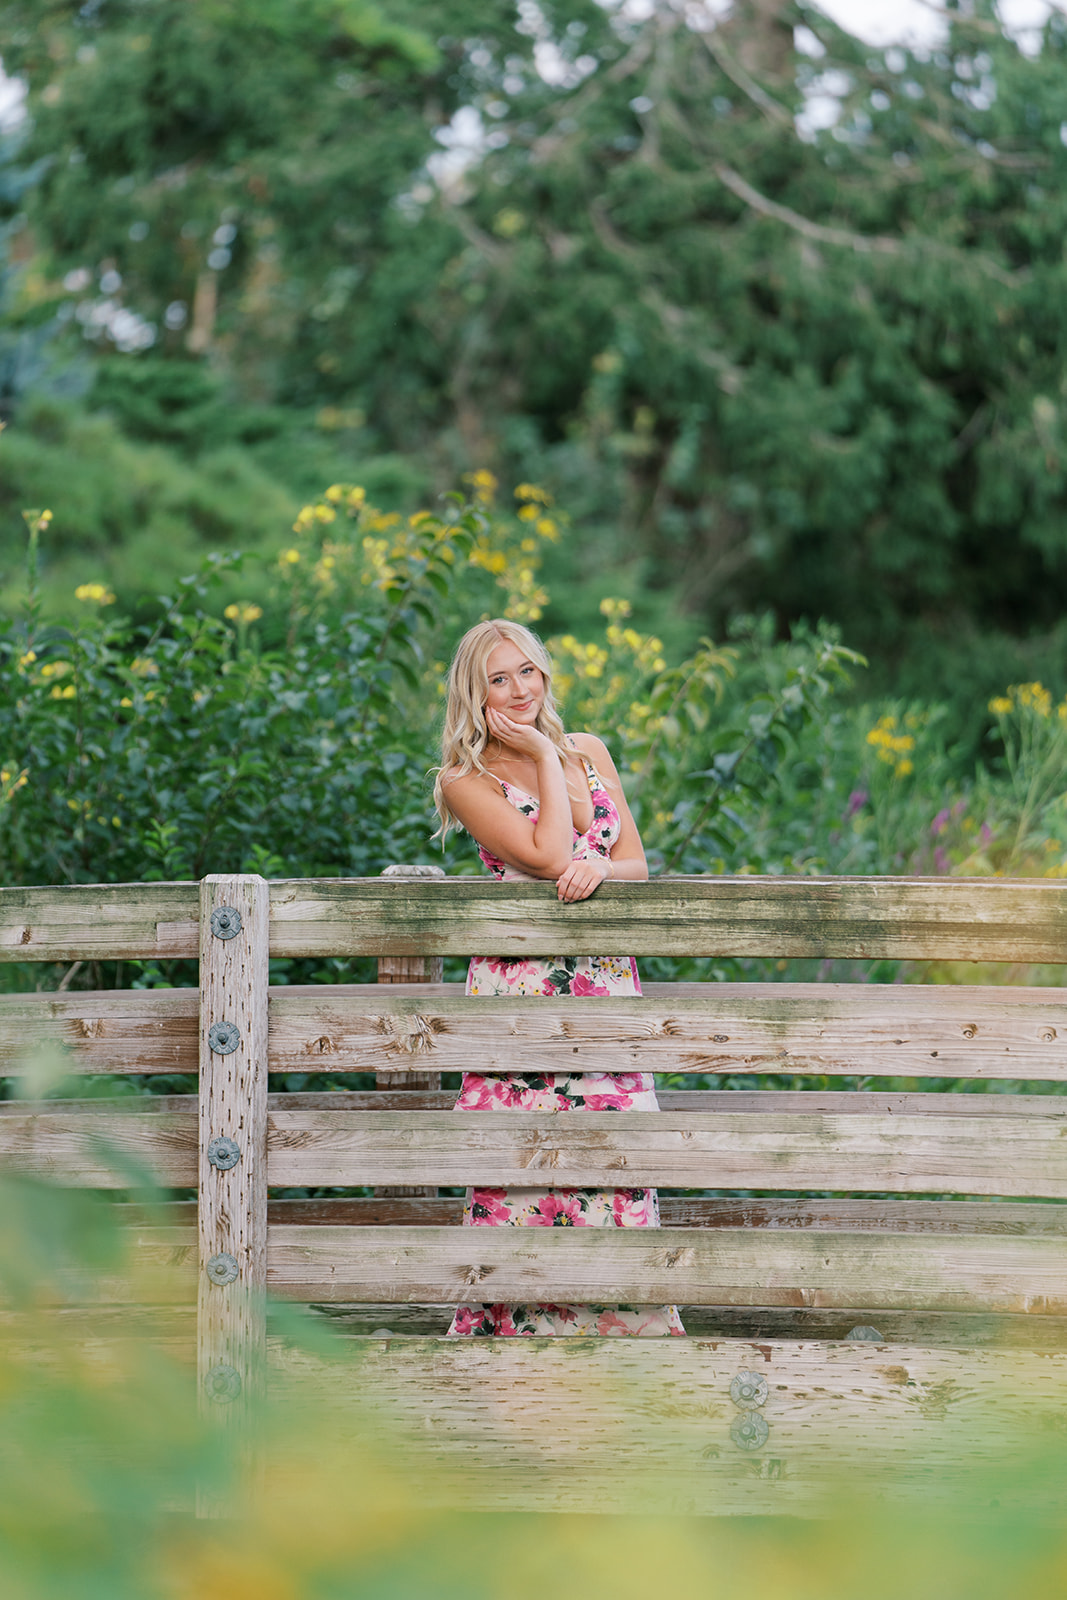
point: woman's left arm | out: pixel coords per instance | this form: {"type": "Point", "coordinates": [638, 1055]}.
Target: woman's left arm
{"type": "Point", "coordinates": [627, 858]}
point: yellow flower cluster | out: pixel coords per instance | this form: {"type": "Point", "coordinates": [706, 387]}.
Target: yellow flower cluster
{"type": "Point", "coordinates": [599, 678]}
{"type": "Point", "coordinates": [144, 667]}
{"type": "Point", "coordinates": [645, 648]}
{"type": "Point", "coordinates": [11, 782]}
{"type": "Point", "coordinates": [585, 660]}
{"type": "Point", "coordinates": [242, 612]}
{"type": "Point", "coordinates": [892, 747]}
{"type": "Point", "coordinates": [483, 484]}
{"type": "Point", "coordinates": [1033, 697]}
{"type": "Point", "coordinates": [349, 496]}
{"type": "Point", "coordinates": [84, 812]}
{"type": "Point", "coordinates": [37, 521]}
{"type": "Point", "coordinates": [98, 593]}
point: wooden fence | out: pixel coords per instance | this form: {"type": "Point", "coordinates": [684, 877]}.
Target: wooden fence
{"type": "Point", "coordinates": [966, 1283]}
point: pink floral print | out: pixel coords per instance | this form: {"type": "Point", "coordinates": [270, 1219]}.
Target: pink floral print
{"type": "Point", "coordinates": [615, 1091]}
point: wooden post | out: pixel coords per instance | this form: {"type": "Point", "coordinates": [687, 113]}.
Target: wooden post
{"type": "Point", "coordinates": [231, 1287]}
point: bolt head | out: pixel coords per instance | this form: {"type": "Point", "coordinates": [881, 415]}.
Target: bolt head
{"type": "Point", "coordinates": [222, 1383]}
{"type": "Point", "coordinates": [223, 1038]}
{"type": "Point", "coordinates": [222, 1268]}
{"type": "Point", "coordinates": [224, 1153]}
{"type": "Point", "coordinates": [225, 922]}
{"type": "Point", "coordinates": [750, 1431]}
{"type": "Point", "coordinates": [748, 1390]}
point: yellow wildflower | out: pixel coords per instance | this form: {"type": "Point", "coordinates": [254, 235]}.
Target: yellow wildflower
{"type": "Point", "coordinates": [59, 693]}
{"type": "Point", "coordinates": [99, 593]}
{"type": "Point", "coordinates": [1000, 706]}
{"type": "Point", "coordinates": [483, 482]}
{"type": "Point", "coordinates": [530, 491]}
{"type": "Point", "coordinates": [289, 558]}
{"type": "Point", "coordinates": [244, 612]}
{"type": "Point", "coordinates": [546, 527]}
{"type": "Point", "coordinates": [126, 701]}
{"type": "Point", "coordinates": [334, 493]}
{"type": "Point", "coordinates": [144, 667]}
{"type": "Point", "coordinates": [27, 660]}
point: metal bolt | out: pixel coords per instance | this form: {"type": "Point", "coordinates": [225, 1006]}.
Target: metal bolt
{"type": "Point", "coordinates": [222, 1268]}
{"type": "Point", "coordinates": [865, 1331]}
{"type": "Point", "coordinates": [225, 922]}
{"type": "Point", "coordinates": [748, 1390]}
{"type": "Point", "coordinates": [223, 1153]}
{"type": "Point", "coordinates": [222, 1383]}
{"type": "Point", "coordinates": [223, 1037]}
{"type": "Point", "coordinates": [749, 1431]}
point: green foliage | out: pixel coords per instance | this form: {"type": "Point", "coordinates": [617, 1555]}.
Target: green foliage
{"type": "Point", "coordinates": [134, 514]}
{"type": "Point", "coordinates": [188, 745]}
{"type": "Point", "coordinates": [702, 742]}
{"type": "Point", "coordinates": [813, 372]}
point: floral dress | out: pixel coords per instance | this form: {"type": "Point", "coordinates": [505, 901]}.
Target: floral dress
{"type": "Point", "coordinates": [605, 1091]}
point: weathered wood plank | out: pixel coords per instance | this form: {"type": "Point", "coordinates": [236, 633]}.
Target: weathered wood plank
{"type": "Point", "coordinates": [985, 1032]}
{"type": "Point", "coordinates": [966, 919]}
{"type": "Point", "coordinates": [720, 1267]}
{"type": "Point", "coordinates": [684, 1266]}
{"type": "Point", "coordinates": [962, 919]}
{"type": "Point", "coordinates": [104, 1030]}
{"type": "Point", "coordinates": [634, 1424]}
{"type": "Point", "coordinates": [1024, 1154]}
{"type": "Point", "coordinates": [102, 1150]}
{"type": "Point", "coordinates": [104, 922]}
{"type": "Point", "coordinates": [909, 1030]}
{"type": "Point", "coordinates": [232, 1144]}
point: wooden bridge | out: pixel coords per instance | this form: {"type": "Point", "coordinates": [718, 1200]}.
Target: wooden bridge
{"type": "Point", "coordinates": [902, 1339]}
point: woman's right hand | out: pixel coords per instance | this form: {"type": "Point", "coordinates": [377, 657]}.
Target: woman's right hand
{"type": "Point", "coordinates": [519, 736]}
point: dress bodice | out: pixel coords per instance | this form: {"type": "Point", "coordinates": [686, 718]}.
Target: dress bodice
{"type": "Point", "coordinates": [597, 839]}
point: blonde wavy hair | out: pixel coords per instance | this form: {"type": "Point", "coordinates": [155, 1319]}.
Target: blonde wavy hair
{"type": "Point", "coordinates": [465, 734]}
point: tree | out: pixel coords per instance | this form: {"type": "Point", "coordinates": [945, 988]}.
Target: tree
{"type": "Point", "coordinates": [815, 370]}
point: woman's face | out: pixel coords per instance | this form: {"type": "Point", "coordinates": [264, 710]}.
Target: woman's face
{"type": "Point", "coordinates": [516, 686]}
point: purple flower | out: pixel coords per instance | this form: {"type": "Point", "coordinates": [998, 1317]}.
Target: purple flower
{"type": "Point", "coordinates": [940, 860]}
{"type": "Point", "coordinates": [986, 835]}
{"type": "Point", "coordinates": [940, 821]}
{"type": "Point", "coordinates": [856, 802]}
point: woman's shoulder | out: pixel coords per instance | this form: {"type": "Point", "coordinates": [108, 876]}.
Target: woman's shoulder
{"type": "Point", "coordinates": [587, 744]}
{"type": "Point", "coordinates": [472, 780]}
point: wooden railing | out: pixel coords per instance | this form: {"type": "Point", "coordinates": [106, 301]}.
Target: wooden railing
{"type": "Point", "coordinates": [943, 1276]}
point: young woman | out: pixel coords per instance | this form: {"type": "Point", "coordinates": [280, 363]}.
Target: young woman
{"type": "Point", "coordinates": [542, 803]}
